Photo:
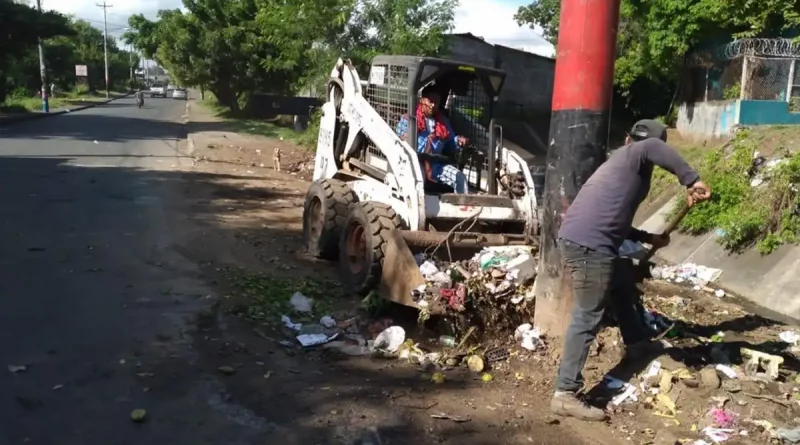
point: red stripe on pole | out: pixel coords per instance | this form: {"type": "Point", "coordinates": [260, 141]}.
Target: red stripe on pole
{"type": "Point", "coordinates": [587, 39]}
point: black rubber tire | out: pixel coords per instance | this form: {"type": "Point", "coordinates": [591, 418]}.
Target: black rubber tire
{"type": "Point", "coordinates": [324, 214]}
{"type": "Point", "coordinates": [361, 274]}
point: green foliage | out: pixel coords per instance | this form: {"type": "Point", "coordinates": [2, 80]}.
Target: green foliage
{"type": "Point", "coordinates": [732, 92]}
{"type": "Point", "coordinates": [655, 35]}
{"type": "Point", "coordinates": [744, 216]}
{"type": "Point", "coordinates": [235, 48]}
{"type": "Point", "coordinates": [67, 43]}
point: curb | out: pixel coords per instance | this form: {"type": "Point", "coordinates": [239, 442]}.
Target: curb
{"type": "Point", "coordinates": [38, 115]}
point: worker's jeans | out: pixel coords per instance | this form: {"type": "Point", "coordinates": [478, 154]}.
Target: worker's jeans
{"type": "Point", "coordinates": [598, 279]}
{"type": "Point", "coordinates": [450, 175]}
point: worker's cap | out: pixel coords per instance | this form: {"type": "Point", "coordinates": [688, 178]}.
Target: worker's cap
{"type": "Point", "coordinates": [648, 128]}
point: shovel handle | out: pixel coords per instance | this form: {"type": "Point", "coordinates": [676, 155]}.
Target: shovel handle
{"type": "Point", "coordinates": [668, 230]}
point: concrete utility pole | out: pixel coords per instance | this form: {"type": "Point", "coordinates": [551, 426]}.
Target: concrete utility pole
{"type": "Point", "coordinates": [130, 62]}
{"type": "Point", "coordinates": [43, 69]}
{"type": "Point", "coordinates": [105, 39]}
{"type": "Point", "coordinates": [579, 127]}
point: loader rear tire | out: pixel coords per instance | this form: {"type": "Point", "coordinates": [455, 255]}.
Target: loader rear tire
{"type": "Point", "coordinates": [363, 245]}
{"type": "Point", "coordinates": [324, 214]}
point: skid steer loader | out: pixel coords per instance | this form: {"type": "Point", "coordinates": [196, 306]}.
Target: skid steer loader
{"type": "Point", "coordinates": [371, 206]}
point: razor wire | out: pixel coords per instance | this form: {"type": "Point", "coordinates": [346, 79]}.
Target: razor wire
{"type": "Point", "coordinates": [776, 48]}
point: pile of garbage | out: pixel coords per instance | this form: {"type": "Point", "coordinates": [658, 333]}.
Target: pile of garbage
{"type": "Point", "coordinates": [491, 292]}
{"type": "Point", "coordinates": [708, 386]}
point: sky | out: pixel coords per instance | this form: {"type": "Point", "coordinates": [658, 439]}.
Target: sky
{"type": "Point", "coordinates": [490, 19]}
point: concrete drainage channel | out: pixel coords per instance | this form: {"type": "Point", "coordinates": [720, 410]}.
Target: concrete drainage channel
{"type": "Point", "coordinates": [8, 120]}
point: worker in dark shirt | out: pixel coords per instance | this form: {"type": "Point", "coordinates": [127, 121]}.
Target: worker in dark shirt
{"type": "Point", "coordinates": [593, 229]}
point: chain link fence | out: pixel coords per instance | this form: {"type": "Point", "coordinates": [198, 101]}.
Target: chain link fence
{"type": "Point", "coordinates": [749, 69]}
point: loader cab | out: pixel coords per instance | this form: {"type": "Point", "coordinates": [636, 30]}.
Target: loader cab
{"type": "Point", "coordinates": [468, 96]}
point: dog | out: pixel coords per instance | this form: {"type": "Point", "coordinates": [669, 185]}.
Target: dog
{"type": "Point", "coordinates": [276, 159]}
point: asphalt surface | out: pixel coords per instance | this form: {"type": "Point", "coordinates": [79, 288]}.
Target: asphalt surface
{"type": "Point", "coordinates": [96, 301]}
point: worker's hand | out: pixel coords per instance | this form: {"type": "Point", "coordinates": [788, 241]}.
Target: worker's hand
{"type": "Point", "coordinates": [461, 141]}
{"type": "Point", "coordinates": [660, 240]}
{"type": "Point", "coordinates": [698, 192]}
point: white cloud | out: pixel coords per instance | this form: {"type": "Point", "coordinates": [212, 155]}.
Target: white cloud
{"type": "Point", "coordinates": [494, 21]}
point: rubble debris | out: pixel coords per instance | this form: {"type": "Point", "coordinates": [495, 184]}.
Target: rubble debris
{"type": "Point", "coordinates": [709, 378]}
{"type": "Point", "coordinates": [756, 360]}
{"type": "Point", "coordinates": [139, 415]}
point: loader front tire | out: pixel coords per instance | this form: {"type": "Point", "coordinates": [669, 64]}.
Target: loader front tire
{"type": "Point", "coordinates": [363, 245]}
{"type": "Point", "coordinates": [324, 214]}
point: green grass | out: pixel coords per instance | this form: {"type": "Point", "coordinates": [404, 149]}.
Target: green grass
{"type": "Point", "coordinates": [281, 127]}
{"type": "Point", "coordinates": [744, 217]}
{"type": "Point", "coordinates": [18, 104]}
{"type": "Point", "coordinates": [264, 298]}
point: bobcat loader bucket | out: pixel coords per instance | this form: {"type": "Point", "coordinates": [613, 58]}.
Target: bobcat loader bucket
{"type": "Point", "coordinates": [401, 276]}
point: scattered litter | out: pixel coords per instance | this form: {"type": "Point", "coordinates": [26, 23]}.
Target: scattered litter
{"type": "Point", "coordinates": [138, 415]}
{"type": "Point", "coordinates": [529, 336]}
{"type": "Point", "coordinates": [96, 142]}
{"type": "Point", "coordinates": [328, 322]}
{"type": "Point", "coordinates": [613, 383]}
{"type": "Point", "coordinates": [629, 393]}
{"type": "Point", "coordinates": [301, 303]}
{"type": "Point", "coordinates": [57, 387]}
{"type": "Point", "coordinates": [227, 370]}
{"type": "Point", "coordinates": [792, 435]}
{"type": "Point", "coordinates": [308, 340]}
{"type": "Point", "coordinates": [722, 417]}
{"type": "Point", "coordinates": [14, 369]}
{"type": "Point", "coordinates": [438, 378]}
{"type": "Point", "coordinates": [717, 435]}
{"type": "Point", "coordinates": [457, 419]}
{"type": "Point", "coordinates": [756, 360]}
{"type": "Point", "coordinates": [695, 274]}
{"type": "Point", "coordinates": [289, 324]}
{"type": "Point", "coordinates": [727, 370]}
{"type": "Point", "coordinates": [475, 363]}
{"type": "Point", "coordinates": [791, 337]}
{"type": "Point", "coordinates": [390, 339]}
{"type": "Point", "coordinates": [719, 293]}
{"type": "Point", "coordinates": [486, 377]}
{"type": "Point", "coordinates": [447, 341]}
{"type": "Point", "coordinates": [654, 369]}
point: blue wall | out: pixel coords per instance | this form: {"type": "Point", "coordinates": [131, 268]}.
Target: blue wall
{"type": "Point", "coordinates": [766, 112]}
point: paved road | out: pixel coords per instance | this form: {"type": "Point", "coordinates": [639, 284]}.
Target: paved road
{"type": "Point", "coordinates": [94, 296]}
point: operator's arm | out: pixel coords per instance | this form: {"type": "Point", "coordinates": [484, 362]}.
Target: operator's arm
{"type": "Point", "coordinates": [402, 127]}
{"type": "Point", "coordinates": [664, 156]}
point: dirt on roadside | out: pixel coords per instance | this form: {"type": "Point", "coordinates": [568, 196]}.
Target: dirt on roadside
{"type": "Point", "coordinates": [244, 228]}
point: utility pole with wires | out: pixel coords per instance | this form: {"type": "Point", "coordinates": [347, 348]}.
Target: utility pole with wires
{"type": "Point", "coordinates": [105, 6]}
{"type": "Point", "coordinates": [43, 69]}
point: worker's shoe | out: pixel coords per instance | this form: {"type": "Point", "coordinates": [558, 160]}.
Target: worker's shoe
{"type": "Point", "coordinates": [570, 404]}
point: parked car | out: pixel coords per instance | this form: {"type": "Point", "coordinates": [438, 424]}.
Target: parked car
{"type": "Point", "coordinates": [179, 93]}
{"type": "Point", "coordinates": [158, 90]}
